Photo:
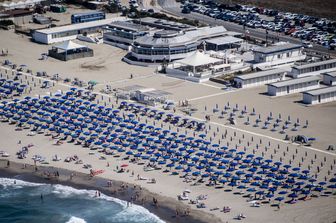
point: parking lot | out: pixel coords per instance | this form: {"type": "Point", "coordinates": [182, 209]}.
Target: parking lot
{"type": "Point", "coordinates": [310, 30]}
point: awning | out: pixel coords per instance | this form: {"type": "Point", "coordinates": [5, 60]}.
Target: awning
{"type": "Point", "coordinates": [69, 45]}
{"type": "Point", "coordinates": [198, 59]}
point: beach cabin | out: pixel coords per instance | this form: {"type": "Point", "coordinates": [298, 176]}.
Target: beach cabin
{"type": "Point", "coordinates": [259, 78]}
{"type": "Point", "coordinates": [319, 96]}
{"type": "Point", "coordinates": [316, 68]}
{"type": "Point", "coordinates": [329, 78]}
{"type": "Point", "coordinates": [276, 55]}
{"type": "Point", "coordinates": [293, 86]}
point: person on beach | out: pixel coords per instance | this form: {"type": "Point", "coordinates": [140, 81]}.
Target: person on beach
{"type": "Point", "coordinates": [176, 212]}
{"type": "Point", "coordinates": [155, 202]}
{"type": "Point", "coordinates": [8, 164]}
{"type": "Point", "coordinates": [41, 197]}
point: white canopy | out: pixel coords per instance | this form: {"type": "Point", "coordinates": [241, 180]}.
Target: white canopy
{"type": "Point", "coordinates": [198, 59]}
{"type": "Point", "coordinates": [69, 45]}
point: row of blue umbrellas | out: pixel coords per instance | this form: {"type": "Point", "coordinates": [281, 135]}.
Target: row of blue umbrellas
{"type": "Point", "coordinates": [119, 131]}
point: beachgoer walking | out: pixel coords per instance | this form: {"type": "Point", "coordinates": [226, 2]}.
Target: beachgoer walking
{"type": "Point", "coordinates": [8, 164]}
{"type": "Point", "coordinates": [176, 212]}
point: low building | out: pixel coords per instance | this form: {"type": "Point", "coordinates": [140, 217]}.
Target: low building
{"type": "Point", "coordinates": [310, 69]}
{"type": "Point", "coordinates": [293, 86]}
{"type": "Point", "coordinates": [260, 78]}
{"type": "Point", "coordinates": [223, 43]}
{"type": "Point", "coordinates": [319, 96]}
{"type": "Point", "coordinates": [69, 50]}
{"type": "Point", "coordinates": [123, 33]}
{"type": "Point", "coordinates": [277, 55]}
{"type": "Point", "coordinates": [70, 32]}
{"type": "Point", "coordinates": [329, 78]}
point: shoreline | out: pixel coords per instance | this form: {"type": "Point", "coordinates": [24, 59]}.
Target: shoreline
{"type": "Point", "coordinates": [166, 209]}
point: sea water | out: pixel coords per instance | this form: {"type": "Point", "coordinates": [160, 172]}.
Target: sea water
{"type": "Point", "coordinates": [21, 201]}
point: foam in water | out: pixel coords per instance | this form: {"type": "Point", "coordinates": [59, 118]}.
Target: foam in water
{"type": "Point", "coordinates": [127, 214]}
{"type": "Point", "coordinates": [6, 182]}
{"type": "Point", "coordinates": [74, 219]}
{"type": "Point", "coordinates": [134, 210]}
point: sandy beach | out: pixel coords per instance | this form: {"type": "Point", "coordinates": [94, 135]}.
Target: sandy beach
{"type": "Point", "coordinates": [107, 68]}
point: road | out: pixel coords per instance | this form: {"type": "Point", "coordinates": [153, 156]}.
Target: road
{"type": "Point", "coordinates": [256, 33]}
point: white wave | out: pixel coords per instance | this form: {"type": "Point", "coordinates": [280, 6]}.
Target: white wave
{"type": "Point", "coordinates": [7, 182]}
{"type": "Point", "coordinates": [74, 219]}
{"type": "Point", "coordinates": [135, 213]}
{"type": "Point", "coordinates": [138, 212]}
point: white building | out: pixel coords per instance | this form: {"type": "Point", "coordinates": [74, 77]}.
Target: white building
{"type": "Point", "coordinates": [311, 69]}
{"type": "Point", "coordinates": [198, 67]}
{"type": "Point", "coordinates": [319, 96]}
{"type": "Point", "coordinates": [293, 86]}
{"type": "Point", "coordinates": [170, 45]}
{"type": "Point", "coordinates": [70, 32]}
{"type": "Point", "coordinates": [277, 55]}
{"type": "Point", "coordinates": [329, 78]}
{"type": "Point", "coordinates": [260, 78]}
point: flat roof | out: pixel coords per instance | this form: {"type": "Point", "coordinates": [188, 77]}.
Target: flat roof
{"type": "Point", "coordinates": [314, 64]}
{"type": "Point", "coordinates": [78, 26]}
{"type": "Point", "coordinates": [321, 91]}
{"type": "Point", "coordinates": [224, 40]}
{"type": "Point", "coordinates": [331, 74]}
{"type": "Point", "coordinates": [295, 81]}
{"type": "Point", "coordinates": [129, 25]}
{"type": "Point", "coordinates": [260, 74]}
{"type": "Point", "coordinates": [164, 23]}
{"type": "Point", "coordinates": [277, 48]}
